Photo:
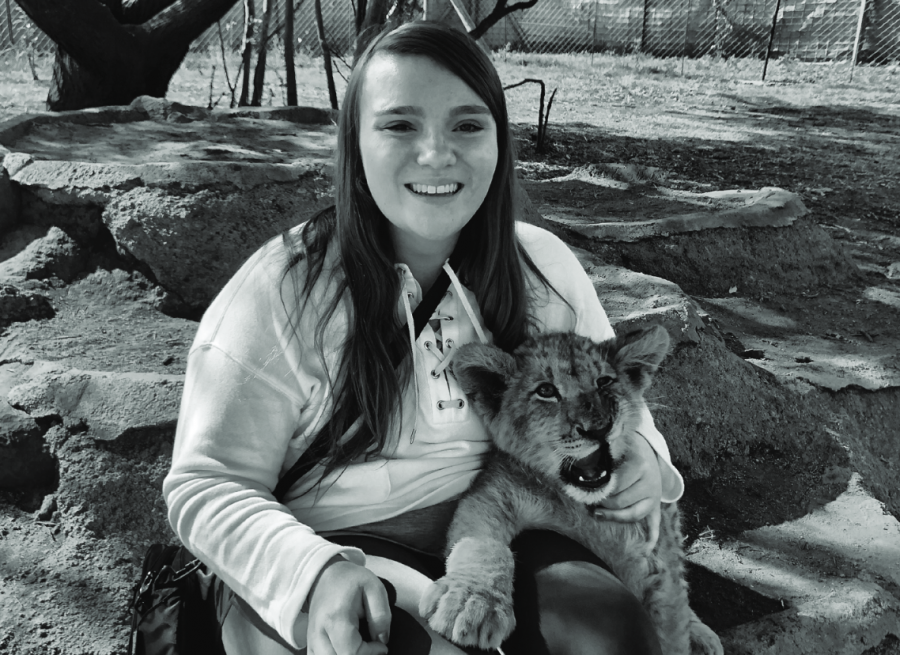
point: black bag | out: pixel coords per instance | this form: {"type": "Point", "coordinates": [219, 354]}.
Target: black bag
{"type": "Point", "coordinates": [173, 608]}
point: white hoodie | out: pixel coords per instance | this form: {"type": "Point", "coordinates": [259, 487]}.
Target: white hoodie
{"type": "Point", "coordinates": [256, 391]}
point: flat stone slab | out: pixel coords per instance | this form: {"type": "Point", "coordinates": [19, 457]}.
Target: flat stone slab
{"type": "Point", "coordinates": [766, 207]}
{"type": "Point", "coordinates": [110, 404]}
{"type": "Point", "coordinates": [832, 570]}
{"type": "Point", "coordinates": [775, 342]}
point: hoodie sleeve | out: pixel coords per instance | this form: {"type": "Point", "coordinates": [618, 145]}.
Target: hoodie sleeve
{"type": "Point", "coordinates": [244, 401]}
{"type": "Point", "coordinates": [585, 316]}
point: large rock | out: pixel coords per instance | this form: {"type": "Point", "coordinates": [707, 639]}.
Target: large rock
{"type": "Point", "coordinates": [710, 244]}
{"type": "Point", "coordinates": [25, 460]}
{"type": "Point", "coordinates": [56, 254]}
{"type": "Point", "coordinates": [21, 305]}
{"type": "Point", "coordinates": [186, 194]}
{"type": "Point", "coordinates": [830, 570]}
{"type": "Point", "coordinates": [107, 404]}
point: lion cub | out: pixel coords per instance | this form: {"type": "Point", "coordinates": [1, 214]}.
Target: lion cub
{"type": "Point", "coordinates": [562, 412]}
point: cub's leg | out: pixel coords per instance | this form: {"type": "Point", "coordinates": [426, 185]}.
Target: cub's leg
{"type": "Point", "coordinates": [472, 604]}
{"type": "Point", "coordinates": [703, 639]}
{"type": "Point", "coordinates": [666, 595]}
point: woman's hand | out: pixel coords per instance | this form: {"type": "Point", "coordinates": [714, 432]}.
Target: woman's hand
{"type": "Point", "coordinates": [344, 595]}
{"type": "Point", "coordinates": [639, 490]}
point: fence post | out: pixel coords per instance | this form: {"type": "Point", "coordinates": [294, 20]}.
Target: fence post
{"type": "Point", "coordinates": [687, 22]}
{"type": "Point", "coordinates": [644, 27]}
{"type": "Point", "coordinates": [771, 38]}
{"type": "Point", "coordinates": [859, 29]}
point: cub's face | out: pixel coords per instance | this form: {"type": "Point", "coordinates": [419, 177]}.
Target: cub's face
{"type": "Point", "coordinates": [563, 405]}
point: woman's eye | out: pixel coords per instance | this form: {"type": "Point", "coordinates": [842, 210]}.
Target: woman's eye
{"type": "Point", "coordinates": [546, 391]}
{"type": "Point", "coordinates": [398, 127]}
{"type": "Point", "coordinates": [470, 127]}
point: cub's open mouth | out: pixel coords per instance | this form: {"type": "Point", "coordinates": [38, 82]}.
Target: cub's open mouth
{"type": "Point", "coordinates": [591, 472]}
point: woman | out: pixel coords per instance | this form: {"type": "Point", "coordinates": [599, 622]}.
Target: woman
{"type": "Point", "coordinates": [424, 167]}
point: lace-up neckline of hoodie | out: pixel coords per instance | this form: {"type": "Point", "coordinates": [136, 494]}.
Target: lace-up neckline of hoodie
{"type": "Point", "coordinates": [445, 354]}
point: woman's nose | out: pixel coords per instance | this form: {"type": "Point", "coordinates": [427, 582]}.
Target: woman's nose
{"type": "Point", "coordinates": [435, 150]}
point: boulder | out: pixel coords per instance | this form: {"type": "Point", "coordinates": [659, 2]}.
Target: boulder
{"type": "Point", "coordinates": [25, 460]}
{"type": "Point", "coordinates": [185, 194]}
{"type": "Point", "coordinates": [19, 305]}
{"type": "Point", "coordinates": [56, 254]}
{"type": "Point", "coordinates": [108, 405]}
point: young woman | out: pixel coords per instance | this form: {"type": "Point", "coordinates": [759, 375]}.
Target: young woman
{"type": "Point", "coordinates": [425, 168]}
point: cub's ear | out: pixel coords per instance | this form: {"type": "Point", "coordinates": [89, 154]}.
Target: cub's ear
{"type": "Point", "coordinates": [639, 353]}
{"type": "Point", "coordinates": [482, 372]}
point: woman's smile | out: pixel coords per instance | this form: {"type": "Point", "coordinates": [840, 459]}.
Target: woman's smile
{"type": "Point", "coordinates": [435, 190]}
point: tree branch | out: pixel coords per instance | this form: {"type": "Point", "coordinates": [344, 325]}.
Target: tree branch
{"type": "Point", "coordinates": [185, 20]}
{"type": "Point", "coordinates": [85, 30]}
{"type": "Point", "coordinates": [500, 11]}
{"type": "Point", "coordinates": [135, 12]}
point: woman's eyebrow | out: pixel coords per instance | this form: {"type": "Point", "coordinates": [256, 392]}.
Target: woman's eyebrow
{"type": "Point", "coordinates": [469, 109]}
{"type": "Point", "coordinates": [407, 110]}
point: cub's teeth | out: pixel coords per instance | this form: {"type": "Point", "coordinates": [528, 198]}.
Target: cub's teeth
{"type": "Point", "coordinates": [430, 190]}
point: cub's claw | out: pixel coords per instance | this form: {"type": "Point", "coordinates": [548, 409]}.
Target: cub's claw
{"type": "Point", "coordinates": [703, 640]}
{"type": "Point", "coordinates": [472, 604]}
{"type": "Point", "coordinates": [467, 613]}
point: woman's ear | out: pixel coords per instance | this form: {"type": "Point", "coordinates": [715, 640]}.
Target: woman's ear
{"type": "Point", "coordinates": [639, 354]}
{"type": "Point", "coordinates": [482, 372]}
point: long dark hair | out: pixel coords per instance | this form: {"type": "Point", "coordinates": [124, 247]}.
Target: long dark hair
{"type": "Point", "coordinates": [366, 383]}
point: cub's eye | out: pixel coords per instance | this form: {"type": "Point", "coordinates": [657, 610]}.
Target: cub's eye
{"type": "Point", "coordinates": [546, 391]}
{"type": "Point", "coordinates": [604, 381]}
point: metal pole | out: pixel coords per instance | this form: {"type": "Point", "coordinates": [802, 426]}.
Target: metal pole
{"type": "Point", "coordinates": [771, 38]}
{"type": "Point", "coordinates": [425, 4]}
{"type": "Point", "coordinates": [644, 27]}
{"type": "Point", "coordinates": [687, 23]}
{"type": "Point", "coordinates": [859, 28]}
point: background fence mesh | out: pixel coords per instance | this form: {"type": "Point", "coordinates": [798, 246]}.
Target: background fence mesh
{"type": "Point", "coordinates": [808, 30]}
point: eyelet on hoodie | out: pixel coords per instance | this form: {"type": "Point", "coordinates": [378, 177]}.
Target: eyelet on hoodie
{"type": "Point", "coordinates": [458, 403]}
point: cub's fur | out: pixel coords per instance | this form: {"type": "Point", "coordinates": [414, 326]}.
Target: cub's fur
{"type": "Point", "coordinates": [562, 412]}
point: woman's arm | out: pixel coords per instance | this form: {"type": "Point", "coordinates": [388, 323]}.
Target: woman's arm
{"type": "Point", "coordinates": [244, 400]}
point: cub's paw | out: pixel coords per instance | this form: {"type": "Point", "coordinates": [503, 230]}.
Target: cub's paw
{"type": "Point", "coordinates": [468, 613]}
{"type": "Point", "coordinates": [703, 640]}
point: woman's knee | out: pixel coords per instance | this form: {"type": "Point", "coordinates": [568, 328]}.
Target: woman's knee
{"type": "Point", "coordinates": [585, 610]}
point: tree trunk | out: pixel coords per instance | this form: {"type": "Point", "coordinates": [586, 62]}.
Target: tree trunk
{"type": "Point", "coordinates": [290, 73]}
{"type": "Point", "coordinates": [326, 55]}
{"type": "Point", "coordinates": [109, 53]}
{"type": "Point", "coordinates": [247, 51]}
{"type": "Point", "coordinates": [262, 48]}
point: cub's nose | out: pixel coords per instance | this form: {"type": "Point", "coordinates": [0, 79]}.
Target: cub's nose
{"type": "Point", "coordinates": [597, 434]}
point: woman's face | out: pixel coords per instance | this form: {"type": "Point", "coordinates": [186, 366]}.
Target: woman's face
{"type": "Point", "coordinates": [429, 149]}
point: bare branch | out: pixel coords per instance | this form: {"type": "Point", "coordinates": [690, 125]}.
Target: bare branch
{"type": "Point", "coordinates": [499, 12]}
{"type": "Point", "coordinates": [185, 20]}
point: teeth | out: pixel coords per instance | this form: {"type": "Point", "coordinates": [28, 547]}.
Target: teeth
{"type": "Point", "coordinates": [429, 190]}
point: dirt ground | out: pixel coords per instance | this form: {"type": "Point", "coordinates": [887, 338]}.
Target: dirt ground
{"type": "Point", "coordinates": [843, 160]}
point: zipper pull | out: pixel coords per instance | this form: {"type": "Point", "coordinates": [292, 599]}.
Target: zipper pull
{"type": "Point", "coordinates": [412, 435]}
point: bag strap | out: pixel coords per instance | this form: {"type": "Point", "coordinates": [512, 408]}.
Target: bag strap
{"type": "Point", "coordinates": [397, 350]}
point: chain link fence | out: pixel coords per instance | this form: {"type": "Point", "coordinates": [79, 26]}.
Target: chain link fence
{"type": "Point", "coordinates": [18, 35]}
{"type": "Point", "coordinates": [808, 30]}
